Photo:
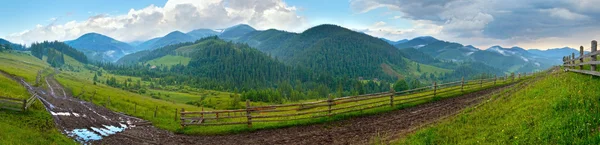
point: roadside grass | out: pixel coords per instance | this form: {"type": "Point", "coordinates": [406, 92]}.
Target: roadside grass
{"type": "Point", "coordinates": [558, 109]}
{"type": "Point", "coordinates": [21, 64]}
{"type": "Point", "coordinates": [35, 126]}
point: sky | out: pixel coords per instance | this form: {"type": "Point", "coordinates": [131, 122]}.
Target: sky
{"type": "Point", "coordinates": [539, 24]}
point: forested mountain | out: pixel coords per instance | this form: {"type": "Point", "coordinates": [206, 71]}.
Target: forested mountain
{"type": "Point", "coordinates": [417, 42]}
{"type": "Point", "coordinates": [12, 45]}
{"type": "Point", "coordinates": [174, 37]}
{"type": "Point", "coordinates": [236, 32]}
{"type": "Point", "coordinates": [220, 65]}
{"type": "Point", "coordinates": [555, 52]}
{"type": "Point", "coordinates": [394, 42]}
{"type": "Point", "coordinates": [55, 51]}
{"type": "Point", "coordinates": [512, 59]}
{"type": "Point", "coordinates": [332, 49]}
{"type": "Point", "coordinates": [202, 33]}
{"type": "Point", "coordinates": [100, 48]}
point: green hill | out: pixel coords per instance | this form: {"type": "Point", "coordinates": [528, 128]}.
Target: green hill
{"type": "Point", "coordinates": [561, 108]}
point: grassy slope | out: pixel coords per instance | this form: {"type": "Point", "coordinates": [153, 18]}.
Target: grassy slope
{"type": "Point", "coordinates": [170, 60]}
{"type": "Point", "coordinates": [561, 109]}
{"type": "Point", "coordinates": [34, 126]}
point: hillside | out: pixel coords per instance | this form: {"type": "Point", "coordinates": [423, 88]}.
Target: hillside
{"type": "Point", "coordinates": [12, 45]}
{"type": "Point", "coordinates": [329, 48]}
{"type": "Point", "coordinates": [202, 33]}
{"type": "Point", "coordinates": [235, 32]}
{"type": "Point", "coordinates": [558, 109]}
{"type": "Point", "coordinates": [100, 48]}
{"type": "Point", "coordinates": [174, 37]}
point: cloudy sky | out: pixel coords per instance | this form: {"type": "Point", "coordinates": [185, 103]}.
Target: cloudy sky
{"type": "Point", "coordinates": [538, 24]}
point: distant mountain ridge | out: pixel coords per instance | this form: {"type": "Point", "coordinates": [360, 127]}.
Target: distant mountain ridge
{"type": "Point", "coordinates": [100, 47]}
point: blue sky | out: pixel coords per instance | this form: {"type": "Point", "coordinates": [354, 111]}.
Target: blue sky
{"type": "Point", "coordinates": [530, 24]}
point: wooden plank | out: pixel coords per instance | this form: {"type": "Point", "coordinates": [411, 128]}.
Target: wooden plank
{"type": "Point", "coordinates": [584, 56]}
{"type": "Point", "coordinates": [590, 62]}
{"type": "Point", "coordinates": [362, 99]}
{"type": "Point", "coordinates": [595, 73]}
{"type": "Point", "coordinates": [7, 98]}
{"type": "Point", "coordinates": [11, 102]}
{"type": "Point", "coordinates": [9, 108]}
{"type": "Point", "coordinates": [212, 112]}
{"type": "Point", "coordinates": [215, 124]}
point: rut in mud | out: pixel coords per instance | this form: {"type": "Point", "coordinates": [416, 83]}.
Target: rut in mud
{"type": "Point", "coordinates": [80, 120]}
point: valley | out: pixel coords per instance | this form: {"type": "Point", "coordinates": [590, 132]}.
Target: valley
{"type": "Point", "coordinates": [122, 94]}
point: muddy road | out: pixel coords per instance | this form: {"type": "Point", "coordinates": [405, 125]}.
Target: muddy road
{"type": "Point", "coordinates": [91, 124]}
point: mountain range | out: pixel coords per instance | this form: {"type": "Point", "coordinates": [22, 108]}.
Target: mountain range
{"type": "Point", "coordinates": [313, 47]}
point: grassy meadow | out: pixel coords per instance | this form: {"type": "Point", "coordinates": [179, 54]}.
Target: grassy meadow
{"type": "Point", "coordinates": [34, 126]}
{"type": "Point", "coordinates": [559, 109]}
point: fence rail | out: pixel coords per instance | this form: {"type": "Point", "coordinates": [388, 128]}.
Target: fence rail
{"type": "Point", "coordinates": [577, 64]}
{"type": "Point", "coordinates": [17, 104]}
{"type": "Point", "coordinates": [335, 106]}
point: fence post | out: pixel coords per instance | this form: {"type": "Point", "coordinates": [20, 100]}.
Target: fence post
{"type": "Point", "coordinates": [392, 96]}
{"type": "Point", "coordinates": [462, 84]}
{"type": "Point", "coordinates": [202, 114]}
{"type": "Point", "coordinates": [248, 115]}
{"type": "Point", "coordinates": [573, 60]}
{"type": "Point", "coordinates": [581, 58]}
{"type": "Point", "coordinates": [519, 77]}
{"type": "Point", "coordinates": [594, 49]}
{"type": "Point", "coordinates": [24, 105]}
{"type": "Point", "coordinates": [495, 78]}
{"type": "Point", "coordinates": [481, 82]}
{"type": "Point", "coordinates": [329, 103]}
{"type": "Point", "coordinates": [156, 109]}
{"type": "Point", "coordinates": [182, 115]}
{"type": "Point", "coordinates": [434, 88]}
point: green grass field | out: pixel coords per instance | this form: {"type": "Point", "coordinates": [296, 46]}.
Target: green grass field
{"type": "Point", "coordinates": [170, 60]}
{"type": "Point", "coordinates": [559, 109]}
{"type": "Point", "coordinates": [34, 126]}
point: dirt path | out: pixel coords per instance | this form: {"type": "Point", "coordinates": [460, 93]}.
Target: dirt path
{"type": "Point", "coordinates": [80, 120]}
{"type": "Point", "coordinates": [88, 123]}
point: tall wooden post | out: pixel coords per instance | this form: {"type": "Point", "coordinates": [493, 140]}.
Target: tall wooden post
{"type": "Point", "coordinates": [495, 79]}
{"type": "Point", "coordinates": [155, 110]}
{"type": "Point", "coordinates": [248, 115]}
{"type": "Point", "coordinates": [329, 103]}
{"type": "Point", "coordinates": [393, 92]}
{"type": "Point", "coordinates": [481, 82]}
{"type": "Point", "coordinates": [594, 49]}
{"type": "Point", "coordinates": [434, 88]}
{"type": "Point", "coordinates": [462, 84]}
{"type": "Point", "coordinates": [24, 105]}
{"type": "Point", "coordinates": [573, 60]}
{"type": "Point", "coordinates": [182, 116]}
{"type": "Point", "coordinates": [581, 57]}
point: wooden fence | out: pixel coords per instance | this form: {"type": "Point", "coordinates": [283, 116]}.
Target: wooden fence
{"type": "Point", "coordinates": [576, 64]}
{"type": "Point", "coordinates": [335, 106]}
{"type": "Point", "coordinates": [17, 104]}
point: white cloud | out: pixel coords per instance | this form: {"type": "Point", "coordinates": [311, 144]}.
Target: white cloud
{"type": "Point", "coordinates": [564, 14]}
{"type": "Point", "coordinates": [532, 23]}
{"type": "Point", "coordinates": [183, 15]}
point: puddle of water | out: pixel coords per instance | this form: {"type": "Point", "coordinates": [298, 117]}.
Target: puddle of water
{"type": "Point", "coordinates": [87, 135]}
{"type": "Point", "coordinates": [83, 135]}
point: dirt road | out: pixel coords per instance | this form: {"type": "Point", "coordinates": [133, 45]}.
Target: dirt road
{"type": "Point", "coordinates": [88, 123]}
